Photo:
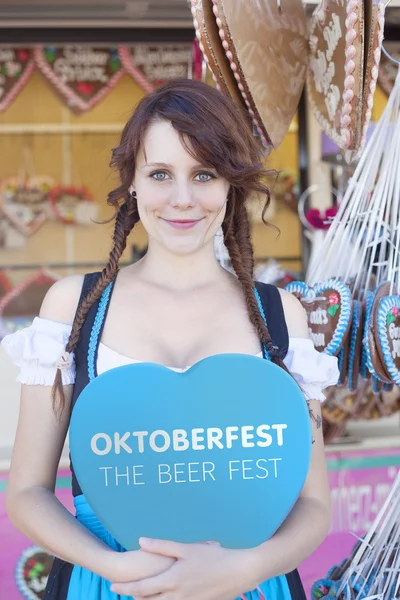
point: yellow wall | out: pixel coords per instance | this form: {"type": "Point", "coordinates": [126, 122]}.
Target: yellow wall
{"type": "Point", "coordinates": [89, 157]}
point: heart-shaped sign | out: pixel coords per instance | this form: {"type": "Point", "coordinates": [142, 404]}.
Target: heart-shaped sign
{"type": "Point", "coordinates": [16, 67]}
{"type": "Point", "coordinates": [388, 332]}
{"type": "Point", "coordinates": [328, 305]}
{"type": "Point", "coordinates": [266, 50]}
{"type": "Point", "coordinates": [194, 456]}
{"type": "Point", "coordinates": [82, 75]}
{"type": "Point", "coordinates": [151, 65]}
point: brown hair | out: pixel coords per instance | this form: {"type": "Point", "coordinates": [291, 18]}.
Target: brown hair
{"type": "Point", "coordinates": [217, 133]}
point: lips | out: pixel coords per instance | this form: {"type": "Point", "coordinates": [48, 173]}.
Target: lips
{"type": "Point", "coordinates": [182, 223]}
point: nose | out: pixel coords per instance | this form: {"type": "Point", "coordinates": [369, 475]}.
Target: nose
{"type": "Point", "coordinates": [182, 196]}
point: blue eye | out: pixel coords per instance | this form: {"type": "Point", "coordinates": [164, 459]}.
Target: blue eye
{"type": "Point", "coordinates": [204, 176]}
{"type": "Point", "coordinates": [159, 175]}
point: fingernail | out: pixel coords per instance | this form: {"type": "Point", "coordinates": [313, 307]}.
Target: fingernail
{"type": "Point", "coordinates": [143, 541]}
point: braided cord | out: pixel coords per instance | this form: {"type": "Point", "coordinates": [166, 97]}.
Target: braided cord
{"type": "Point", "coordinates": [97, 325]}
{"type": "Point", "coordinates": [267, 355]}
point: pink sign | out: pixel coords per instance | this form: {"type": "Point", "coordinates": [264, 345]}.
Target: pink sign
{"type": "Point", "coordinates": [360, 482]}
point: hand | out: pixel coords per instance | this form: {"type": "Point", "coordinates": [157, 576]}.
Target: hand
{"type": "Point", "coordinates": [200, 572]}
{"type": "Point", "coordinates": [137, 564]}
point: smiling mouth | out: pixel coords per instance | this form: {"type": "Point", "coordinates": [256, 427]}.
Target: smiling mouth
{"type": "Point", "coordinates": [182, 223]}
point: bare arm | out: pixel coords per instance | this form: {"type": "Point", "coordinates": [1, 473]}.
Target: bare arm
{"type": "Point", "coordinates": [309, 521]}
{"type": "Point", "coordinates": [31, 504]}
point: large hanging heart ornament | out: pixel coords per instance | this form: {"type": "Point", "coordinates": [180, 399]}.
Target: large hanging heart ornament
{"type": "Point", "coordinates": [194, 456]}
{"type": "Point", "coordinates": [343, 68]}
{"type": "Point", "coordinates": [82, 75]}
{"type": "Point", "coordinates": [151, 65]}
{"type": "Point", "coordinates": [329, 311]}
{"type": "Point", "coordinates": [266, 49]}
{"type": "Point", "coordinates": [16, 67]}
{"type": "Point", "coordinates": [24, 203]}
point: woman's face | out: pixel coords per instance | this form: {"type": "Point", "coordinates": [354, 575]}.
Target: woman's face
{"type": "Point", "coordinates": [181, 202]}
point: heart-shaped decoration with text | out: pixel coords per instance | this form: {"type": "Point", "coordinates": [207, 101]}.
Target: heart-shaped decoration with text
{"type": "Point", "coordinates": [219, 452]}
{"type": "Point", "coordinates": [388, 333]}
{"type": "Point", "coordinates": [328, 305]}
{"type": "Point", "coordinates": [151, 65]}
{"type": "Point", "coordinates": [82, 75]}
{"type": "Point", "coordinates": [16, 67]}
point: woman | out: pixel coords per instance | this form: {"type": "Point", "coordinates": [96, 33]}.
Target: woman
{"type": "Point", "coordinates": [187, 163]}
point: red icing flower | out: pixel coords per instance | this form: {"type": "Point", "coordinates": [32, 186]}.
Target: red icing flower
{"type": "Point", "coordinates": [333, 299]}
{"type": "Point", "coordinates": [395, 311]}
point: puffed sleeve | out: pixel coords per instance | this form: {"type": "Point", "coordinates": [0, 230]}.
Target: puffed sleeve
{"type": "Point", "coordinates": [314, 371]}
{"type": "Point", "coordinates": [37, 349]}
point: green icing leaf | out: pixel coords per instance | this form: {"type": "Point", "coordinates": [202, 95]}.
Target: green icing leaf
{"type": "Point", "coordinates": [332, 310]}
{"type": "Point", "coordinates": [390, 318]}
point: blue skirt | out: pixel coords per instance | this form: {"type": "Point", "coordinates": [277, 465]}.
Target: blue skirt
{"type": "Point", "coordinates": [71, 582]}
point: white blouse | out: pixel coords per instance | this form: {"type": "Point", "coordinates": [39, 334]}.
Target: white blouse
{"type": "Point", "coordinates": [37, 348]}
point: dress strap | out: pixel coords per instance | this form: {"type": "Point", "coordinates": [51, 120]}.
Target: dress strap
{"type": "Point", "coordinates": [271, 309]}
{"type": "Point", "coordinates": [97, 330]}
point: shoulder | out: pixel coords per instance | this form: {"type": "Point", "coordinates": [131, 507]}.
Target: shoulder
{"type": "Point", "coordinates": [295, 315]}
{"type": "Point", "coordinates": [61, 301]}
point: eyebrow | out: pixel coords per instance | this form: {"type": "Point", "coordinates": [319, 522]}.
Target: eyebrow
{"type": "Point", "coordinates": [168, 166]}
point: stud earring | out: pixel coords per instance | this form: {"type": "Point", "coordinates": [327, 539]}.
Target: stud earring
{"type": "Point", "coordinates": [133, 195]}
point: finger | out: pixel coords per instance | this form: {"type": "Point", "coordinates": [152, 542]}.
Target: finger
{"type": "Point", "coordinates": [164, 547]}
{"type": "Point", "coordinates": [144, 587]}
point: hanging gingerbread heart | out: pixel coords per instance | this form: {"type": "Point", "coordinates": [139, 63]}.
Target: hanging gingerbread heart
{"type": "Point", "coordinates": [388, 70]}
{"type": "Point", "coordinates": [355, 343]}
{"type": "Point", "coordinates": [151, 65]}
{"type": "Point", "coordinates": [19, 307]}
{"type": "Point", "coordinates": [207, 33]}
{"type": "Point", "coordinates": [72, 205]}
{"type": "Point", "coordinates": [334, 78]}
{"type": "Point", "coordinates": [16, 67]}
{"type": "Point", "coordinates": [388, 333]}
{"type": "Point", "coordinates": [266, 46]}
{"type": "Point", "coordinates": [23, 203]}
{"type": "Point", "coordinates": [328, 305]}
{"type": "Point", "coordinates": [82, 75]}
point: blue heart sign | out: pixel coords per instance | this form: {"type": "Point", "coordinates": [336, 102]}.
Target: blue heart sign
{"type": "Point", "coordinates": [219, 452]}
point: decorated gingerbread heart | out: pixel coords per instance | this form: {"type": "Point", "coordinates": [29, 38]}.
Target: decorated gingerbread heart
{"type": "Point", "coordinates": [16, 67]}
{"type": "Point", "coordinates": [82, 75]}
{"type": "Point", "coordinates": [328, 305]}
{"type": "Point", "coordinates": [32, 572]}
{"type": "Point", "coordinates": [72, 205]}
{"type": "Point", "coordinates": [23, 203]}
{"type": "Point", "coordinates": [266, 47]}
{"type": "Point", "coordinates": [388, 334]}
{"type": "Point", "coordinates": [151, 65]}
{"type": "Point", "coordinates": [375, 363]}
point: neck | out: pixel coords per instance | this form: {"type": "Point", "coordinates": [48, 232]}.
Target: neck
{"type": "Point", "coordinates": [180, 271]}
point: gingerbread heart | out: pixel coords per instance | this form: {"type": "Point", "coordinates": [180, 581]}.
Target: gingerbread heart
{"type": "Point", "coordinates": [24, 203]}
{"type": "Point", "coordinates": [16, 67]}
{"type": "Point", "coordinates": [388, 333]}
{"type": "Point", "coordinates": [328, 306]}
{"type": "Point", "coordinates": [82, 75]}
{"type": "Point", "coordinates": [207, 33]}
{"type": "Point", "coordinates": [72, 205]}
{"type": "Point", "coordinates": [151, 65]}
{"type": "Point", "coordinates": [343, 68]}
{"type": "Point", "coordinates": [32, 572]}
{"type": "Point", "coordinates": [355, 342]}
{"type": "Point", "coordinates": [266, 46]}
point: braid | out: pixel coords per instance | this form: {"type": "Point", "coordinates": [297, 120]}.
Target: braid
{"type": "Point", "coordinates": [126, 218]}
{"type": "Point", "coordinates": [237, 240]}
